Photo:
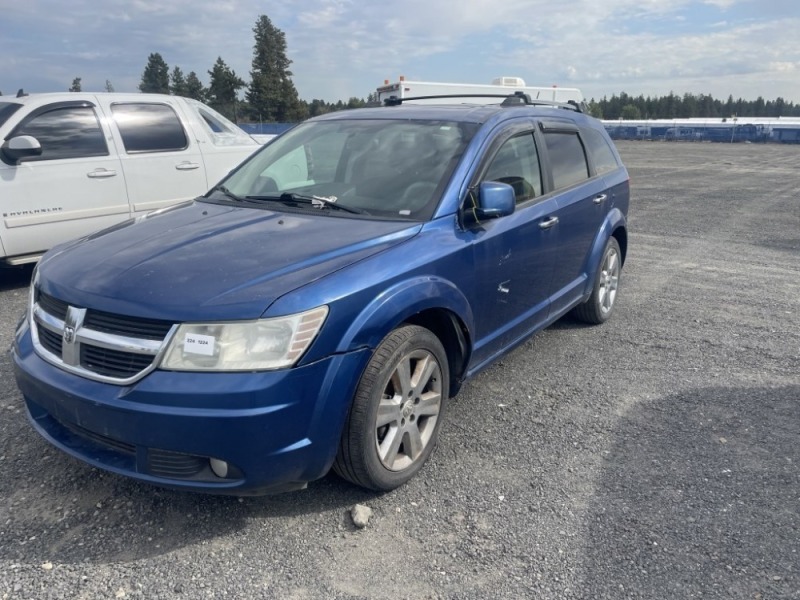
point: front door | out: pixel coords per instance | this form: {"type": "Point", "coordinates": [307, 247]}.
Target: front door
{"type": "Point", "coordinates": [74, 187]}
{"type": "Point", "coordinates": [514, 254]}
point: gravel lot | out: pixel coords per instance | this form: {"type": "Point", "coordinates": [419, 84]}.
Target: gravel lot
{"type": "Point", "coordinates": [656, 456]}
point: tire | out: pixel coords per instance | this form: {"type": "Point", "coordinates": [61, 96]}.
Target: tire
{"type": "Point", "coordinates": [397, 410]}
{"type": "Point", "coordinates": [600, 305]}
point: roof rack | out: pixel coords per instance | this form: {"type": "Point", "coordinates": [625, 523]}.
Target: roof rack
{"type": "Point", "coordinates": [515, 99]}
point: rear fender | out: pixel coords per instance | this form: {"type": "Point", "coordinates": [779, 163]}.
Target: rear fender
{"type": "Point", "coordinates": [615, 220]}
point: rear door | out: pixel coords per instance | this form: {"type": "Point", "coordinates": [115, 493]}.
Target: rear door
{"type": "Point", "coordinates": [582, 200]}
{"type": "Point", "coordinates": [74, 187]}
{"type": "Point", "coordinates": [160, 157]}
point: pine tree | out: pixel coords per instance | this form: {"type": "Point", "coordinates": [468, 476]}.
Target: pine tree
{"type": "Point", "coordinates": [222, 88]}
{"type": "Point", "coordinates": [155, 79]}
{"type": "Point", "coordinates": [271, 94]}
{"type": "Point", "coordinates": [76, 85]}
{"type": "Point", "coordinates": [109, 87]}
{"type": "Point", "coordinates": [177, 86]}
{"type": "Point", "coordinates": [195, 89]}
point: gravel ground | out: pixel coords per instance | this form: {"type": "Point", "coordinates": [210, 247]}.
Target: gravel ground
{"type": "Point", "coordinates": [656, 456]}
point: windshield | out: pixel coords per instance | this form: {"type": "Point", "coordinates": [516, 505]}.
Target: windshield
{"type": "Point", "coordinates": [381, 168]}
{"type": "Point", "coordinates": [7, 109]}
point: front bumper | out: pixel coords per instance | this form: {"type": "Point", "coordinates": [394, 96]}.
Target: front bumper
{"type": "Point", "coordinates": [277, 430]}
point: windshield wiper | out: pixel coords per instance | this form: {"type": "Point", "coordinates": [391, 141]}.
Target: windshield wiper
{"type": "Point", "coordinates": [228, 193]}
{"type": "Point", "coordinates": [316, 201]}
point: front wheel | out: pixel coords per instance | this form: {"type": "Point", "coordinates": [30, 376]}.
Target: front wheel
{"type": "Point", "coordinates": [597, 309]}
{"type": "Point", "coordinates": [397, 410]}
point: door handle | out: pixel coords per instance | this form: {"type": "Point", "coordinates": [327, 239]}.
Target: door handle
{"type": "Point", "coordinates": [187, 166]}
{"type": "Point", "coordinates": [548, 223]}
{"type": "Point", "coordinates": [101, 173]}
{"type": "Point", "coordinates": [600, 198]}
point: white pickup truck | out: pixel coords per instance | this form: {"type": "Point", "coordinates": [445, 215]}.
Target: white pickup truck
{"type": "Point", "coordinates": [73, 163]}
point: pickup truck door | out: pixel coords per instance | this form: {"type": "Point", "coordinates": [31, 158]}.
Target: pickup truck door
{"type": "Point", "coordinates": [160, 156]}
{"type": "Point", "coordinates": [74, 187]}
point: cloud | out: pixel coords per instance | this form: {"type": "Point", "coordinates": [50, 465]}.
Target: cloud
{"type": "Point", "coordinates": [344, 48]}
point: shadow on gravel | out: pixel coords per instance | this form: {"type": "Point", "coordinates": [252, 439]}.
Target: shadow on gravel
{"type": "Point", "coordinates": [15, 277]}
{"type": "Point", "coordinates": [62, 511]}
{"type": "Point", "coordinates": [700, 497]}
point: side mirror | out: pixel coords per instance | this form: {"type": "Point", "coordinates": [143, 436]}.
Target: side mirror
{"type": "Point", "coordinates": [21, 146]}
{"type": "Point", "coordinates": [494, 200]}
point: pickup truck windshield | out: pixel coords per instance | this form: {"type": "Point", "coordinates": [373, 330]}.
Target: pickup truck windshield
{"type": "Point", "coordinates": [380, 168]}
{"type": "Point", "coordinates": [7, 109]}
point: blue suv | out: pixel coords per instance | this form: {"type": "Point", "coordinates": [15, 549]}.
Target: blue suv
{"type": "Point", "coordinates": [318, 307]}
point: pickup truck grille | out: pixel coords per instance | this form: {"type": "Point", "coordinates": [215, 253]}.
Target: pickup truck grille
{"type": "Point", "coordinates": [95, 344]}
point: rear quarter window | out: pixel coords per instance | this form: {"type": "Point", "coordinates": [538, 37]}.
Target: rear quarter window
{"type": "Point", "coordinates": [149, 127]}
{"type": "Point", "coordinates": [567, 158]}
{"type": "Point", "coordinates": [598, 147]}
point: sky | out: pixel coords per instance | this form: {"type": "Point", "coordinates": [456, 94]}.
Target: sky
{"type": "Point", "coordinates": [343, 48]}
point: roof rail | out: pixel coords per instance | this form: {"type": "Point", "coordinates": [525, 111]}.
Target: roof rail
{"type": "Point", "coordinates": [515, 99]}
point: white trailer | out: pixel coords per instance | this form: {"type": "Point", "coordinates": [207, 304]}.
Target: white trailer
{"type": "Point", "coordinates": [403, 89]}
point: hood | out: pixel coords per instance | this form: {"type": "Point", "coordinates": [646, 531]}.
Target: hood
{"type": "Point", "coordinates": [205, 261]}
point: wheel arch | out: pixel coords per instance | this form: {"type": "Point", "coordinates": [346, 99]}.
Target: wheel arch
{"type": "Point", "coordinates": [430, 302]}
{"type": "Point", "coordinates": [615, 226]}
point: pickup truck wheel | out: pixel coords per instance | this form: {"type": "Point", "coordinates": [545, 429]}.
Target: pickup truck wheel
{"type": "Point", "coordinates": [597, 309]}
{"type": "Point", "coordinates": [397, 410]}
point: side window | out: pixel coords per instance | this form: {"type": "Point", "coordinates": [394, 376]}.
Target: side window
{"type": "Point", "coordinates": [567, 158]}
{"type": "Point", "coordinates": [601, 153]}
{"type": "Point", "coordinates": [517, 164]}
{"type": "Point", "coordinates": [149, 127]}
{"type": "Point", "coordinates": [67, 132]}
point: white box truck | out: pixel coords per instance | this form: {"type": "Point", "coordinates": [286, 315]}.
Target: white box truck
{"type": "Point", "coordinates": [471, 92]}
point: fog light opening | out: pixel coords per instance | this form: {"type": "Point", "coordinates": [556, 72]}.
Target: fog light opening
{"type": "Point", "coordinates": [220, 467]}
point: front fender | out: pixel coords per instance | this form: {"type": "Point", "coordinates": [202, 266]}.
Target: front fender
{"type": "Point", "coordinates": [398, 303]}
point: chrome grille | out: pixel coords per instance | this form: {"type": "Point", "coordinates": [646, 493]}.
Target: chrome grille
{"type": "Point", "coordinates": [113, 363]}
{"type": "Point", "coordinates": [150, 329]}
{"type": "Point", "coordinates": [95, 344]}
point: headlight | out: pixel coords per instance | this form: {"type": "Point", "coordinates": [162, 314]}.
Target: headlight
{"type": "Point", "coordinates": [243, 345]}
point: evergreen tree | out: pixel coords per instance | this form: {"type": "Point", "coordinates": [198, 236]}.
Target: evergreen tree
{"type": "Point", "coordinates": [195, 89]}
{"type": "Point", "coordinates": [76, 85]}
{"type": "Point", "coordinates": [155, 79]}
{"type": "Point", "coordinates": [595, 109]}
{"type": "Point", "coordinates": [109, 87]}
{"type": "Point", "coordinates": [177, 86]}
{"type": "Point", "coordinates": [631, 112]}
{"type": "Point", "coordinates": [222, 88]}
{"type": "Point", "coordinates": [271, 93]}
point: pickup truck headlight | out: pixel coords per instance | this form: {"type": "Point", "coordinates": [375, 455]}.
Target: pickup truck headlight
{"type": "Point", "coordinates": [259, 345]}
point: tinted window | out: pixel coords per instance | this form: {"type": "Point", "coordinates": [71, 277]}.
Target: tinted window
{"type": "Point", "coordinates": [517, 164]}
{"type": "Point", "coordinates": [149, 127]}
{"type": "Point", "coordinates": [68, 132]}
{"type": "Point", "coordinates": [601, 153]}
{"type": "Point", "coordinates": [567, 159]}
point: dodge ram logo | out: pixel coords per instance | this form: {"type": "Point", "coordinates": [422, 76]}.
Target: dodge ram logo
{"type": "Point", "coordinates": [69, 334]}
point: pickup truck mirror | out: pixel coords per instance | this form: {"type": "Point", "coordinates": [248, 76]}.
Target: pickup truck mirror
{"type": "Point", "coordinates": [491, 200]}
{"type": "Point", "coordinates": [21, 146]}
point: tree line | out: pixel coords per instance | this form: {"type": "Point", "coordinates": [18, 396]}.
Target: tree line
{"type": "Point", "coordinates": [688, 106]}
{"type": "Point", "coordinates": [270, 95]}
